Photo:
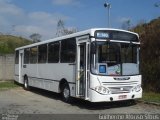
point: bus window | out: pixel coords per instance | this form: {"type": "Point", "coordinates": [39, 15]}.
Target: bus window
{"type": "Point", "coordinates": [128, 53]}
{"type": "Point", "coordinates": [33, 55]}
{"type": "Point", "coordinates": [26, 55]}
{"type": "Point", "coordinates": [109, 54]}
{"type": "Point", "coordinates": [42, 53]}
{"type": "Point", "coordinates": [17, 57]}
{"type": "Point", "coordinates": [53, 52]}
{"type": "Point", "coordinates": [68, 50]}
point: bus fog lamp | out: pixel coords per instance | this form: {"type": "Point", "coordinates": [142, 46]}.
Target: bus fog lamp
{"type": "Point", "coordinates": [136, 88]}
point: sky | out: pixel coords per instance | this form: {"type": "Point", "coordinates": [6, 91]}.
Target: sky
{"type": "Point", "coordinates": [25, 17]}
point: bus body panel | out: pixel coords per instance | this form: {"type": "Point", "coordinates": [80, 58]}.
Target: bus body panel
{"type": "Point", "coordinates": [47, 76]}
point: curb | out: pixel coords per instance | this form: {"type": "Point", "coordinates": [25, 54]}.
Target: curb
{"type": "Point", "coordinates": [146, 102]}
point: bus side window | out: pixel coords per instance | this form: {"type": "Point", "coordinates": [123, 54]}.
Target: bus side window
{"type": "Point", "coordinates": [53, 52]}
{"type": "Point", "coordinates": [17, 57]}
{"type": "Point", "coordinates": [68, 50]}
{"type": "Point", "coordinates": [33, 55]}
{"type": "Point", "coordinates": [26, 55]}
{"type": "Point", "coordinates": [42, 53]}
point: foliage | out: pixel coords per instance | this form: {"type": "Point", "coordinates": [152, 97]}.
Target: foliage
{"type": "Point", "coordinates": [61, 30]}
{"type": "Point", "coordinates": [151, 97]}
{"type": "Point", "coordinates": [35, 37]}
{"type": "Point", "coordinates": [126, 24]}
{"type": "Point", "coordinates": [150, 54]}
{"type": "Point", "coordinates": [7, 85]}
{"type": "Point", "coordinates": [8, 43]}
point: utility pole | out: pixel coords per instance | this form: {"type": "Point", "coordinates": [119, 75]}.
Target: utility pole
{"type": "Point", "coordinates": [108, 5]}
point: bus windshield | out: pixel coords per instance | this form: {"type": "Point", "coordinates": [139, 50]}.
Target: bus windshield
{"type": "Point", "coordinates": [111, 58]}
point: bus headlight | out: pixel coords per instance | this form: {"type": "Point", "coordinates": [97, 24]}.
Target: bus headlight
{"type": "Point", "coordinates": [136, 88]}
{"type": "Point", "coordinates": [102, 90]}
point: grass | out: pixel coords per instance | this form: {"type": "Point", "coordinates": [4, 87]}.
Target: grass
{"type": "Point", "coordinates": [151, 97]}
{"type": "Point", "coordinates": [7, 85]}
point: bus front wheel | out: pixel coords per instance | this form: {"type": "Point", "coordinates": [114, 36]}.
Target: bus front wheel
{"type": "Point", "coordinates": [66, 93]}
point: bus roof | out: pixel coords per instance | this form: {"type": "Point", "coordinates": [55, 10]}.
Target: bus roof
{"type": "Point", "coordinates": [77, 34]}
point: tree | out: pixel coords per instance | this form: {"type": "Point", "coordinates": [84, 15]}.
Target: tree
{"type": "Point", "coordinates": [61, 30]}
{"type": "Point", "coordinates": [69, 31]}
{"type": "Point", "coordinates": [126, 25]}
{"type": "Point", "coordinates": [35, 37]}
{"type": "Point", "coordinates": [150, 54]}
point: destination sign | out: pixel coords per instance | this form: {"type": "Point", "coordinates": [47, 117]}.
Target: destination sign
{"type": "Point", "coordinates": [116, 35]}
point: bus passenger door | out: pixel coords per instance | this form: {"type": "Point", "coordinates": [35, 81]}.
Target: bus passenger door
{"type": "Point", "coordinates": [21, 54]}
{"type": "Point", "coordinates": [82, 69]}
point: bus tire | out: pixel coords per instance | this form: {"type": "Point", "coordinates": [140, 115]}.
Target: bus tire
{"type": "Point", "coordinates": [26, 86]}
{"type": "Point", "coordinates": [66, 93]}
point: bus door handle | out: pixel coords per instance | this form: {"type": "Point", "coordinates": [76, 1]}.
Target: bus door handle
{"type": "Point", "coordinates": [24, 66]}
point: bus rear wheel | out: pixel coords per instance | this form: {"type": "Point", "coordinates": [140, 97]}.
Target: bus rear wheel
{"type": "Point", "coordinates": [26, 86]}
{"type": "Point", "coordinates": [66, 93]}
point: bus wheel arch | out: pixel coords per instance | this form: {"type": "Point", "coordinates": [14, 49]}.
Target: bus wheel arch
{"type": "Point", "coordinates": [65, 90]}
{"type": "Point", "coordinates": [26, 85]}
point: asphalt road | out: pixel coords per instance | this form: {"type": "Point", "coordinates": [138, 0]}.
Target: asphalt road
{"type": "Point", "coordinates": [19, 101]}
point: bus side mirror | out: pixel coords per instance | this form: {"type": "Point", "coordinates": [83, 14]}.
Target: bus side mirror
{"type": "Point", "coordinates": [93, 47]}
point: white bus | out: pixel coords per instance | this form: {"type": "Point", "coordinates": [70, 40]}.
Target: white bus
{"type": "Point", "coordinates": [98, 65]}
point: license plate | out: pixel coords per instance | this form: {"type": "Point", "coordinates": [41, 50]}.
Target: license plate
{"type": "Point", "coordinates": [122, 96]}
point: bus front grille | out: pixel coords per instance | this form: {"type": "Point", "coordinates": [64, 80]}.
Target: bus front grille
{"type": "Point", "coordinates": [121, 89]}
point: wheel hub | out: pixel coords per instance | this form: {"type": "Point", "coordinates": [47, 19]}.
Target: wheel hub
{"type": "Point", "coordinates": [66, 92]}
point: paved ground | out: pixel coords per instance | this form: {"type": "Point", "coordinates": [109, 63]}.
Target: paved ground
{"type": "Point", "coordinates": [19, 101]}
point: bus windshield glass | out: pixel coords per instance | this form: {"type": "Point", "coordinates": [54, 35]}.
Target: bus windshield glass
{"type": "Point", "coordinates": [112, 58]}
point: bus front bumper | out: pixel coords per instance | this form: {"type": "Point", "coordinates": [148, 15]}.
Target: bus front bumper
{"type": "Point", "coordinates": [97, 97]}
